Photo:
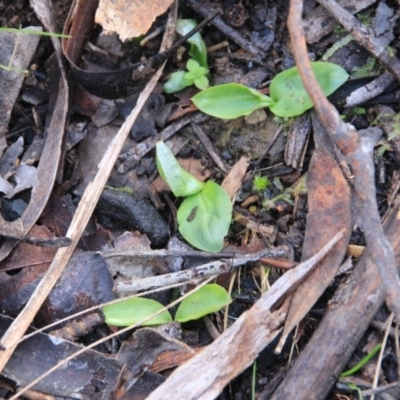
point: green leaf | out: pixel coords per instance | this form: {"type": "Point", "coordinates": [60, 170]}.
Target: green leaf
{"type": "Point", "coordinates": [204, 218]}
{"type": "Point", "coordinates": [132, 311]}
{"type": "Point", "coordinates": [180, 181]}
{"type": "Point", "coordinates": [260, 183]}
{"type": "Point", "coordinates": [177, 81]}
{"type": "Point", "coordinates": [362, 362]}
{"type": "Point", "coordinates": [193, 65]}
{"type": "Point", "coordinates": [230, 101]}
{"type": "Point", "coordinates": [195, 71]}
{"type": "Point", "coordinates": [198, 50]}
{"type": "Point", "coordinates": [208, 299]}
{"type": "Point", "coordinates": [201, 82]}
{"type": "Point", "coordinates": [289, 94]}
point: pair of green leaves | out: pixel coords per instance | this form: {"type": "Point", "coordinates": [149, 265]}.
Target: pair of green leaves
{"type": "Point", "coordinates": [288, 97]}
{"type": "Point", "coordinates": [205, 214]}
{"type": "Point", "coordinates": [208, 299]}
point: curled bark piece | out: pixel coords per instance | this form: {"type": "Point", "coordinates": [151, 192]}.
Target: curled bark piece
{"type": "Point", "coordinates": [370, 90]}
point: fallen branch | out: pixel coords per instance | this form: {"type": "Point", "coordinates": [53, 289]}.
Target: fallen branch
{"type": "Point", "coordinates": [212, 268]}
{"type": "Point", "coordinates": [354, 148]}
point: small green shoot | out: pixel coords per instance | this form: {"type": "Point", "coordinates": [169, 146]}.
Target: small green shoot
{"type": "Point", "coordinates": [196, 75]}
{"type": "Point", "coordinates": [260, 183]}
{"type": "Point", "coordinates": [27, 32]}
{"type": "Point", "coordinates": [288, 97]}
{"type": "Point", "coordinates": [352, 386]}
{"type": "Point", "coordinates": [198, 50]}
{"type": "Point", "coordinates": [133, 311]}
{"type": "Point", "coordinates": [205, 215]}
{"type": "Point", "coordinates": [197, 65]}
{"type": "Point", "coordinates": [285, 195]}
{"type": "Point", "coordinates": [359, 365]}
{"type": "Point", "coordinates": [208, 299]}
{"type": "Point", "coordinates": [253, 380]}
{"type": "Point", "coordinates": [383, 149]}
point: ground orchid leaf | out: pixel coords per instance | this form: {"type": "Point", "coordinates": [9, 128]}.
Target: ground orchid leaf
{"type": "Point", "coordinates": [289, 94]}
{"type": "Point", "coordinates": [180, 181]}
{"type": "Point", "coordinates": [230, 101]}
{"type": "Point", "coordinates": [208, 299]}
{"type": "Point", "coordinates": [198, 50]}
{"type": "Point", "coordinates": [133, 311]}
{"type": "Point", "coordinates": [204, 218]}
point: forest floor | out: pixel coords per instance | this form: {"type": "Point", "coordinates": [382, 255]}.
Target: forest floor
{"type": "Point", "coordinates": [86, 218]}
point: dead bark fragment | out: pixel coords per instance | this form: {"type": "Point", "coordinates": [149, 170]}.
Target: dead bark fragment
{"type": "Point", "coordinates": [349, 314]}
{"type": "Point", "coordinates": [16, 51]}
{"type": "Point", "coordinates": [370, 90]}
{"type": "Point", "coordinates": [48, 165]}
{"type": "Point", "coordinates": [297, 141]}
{"type": "Point", "coordinates": [329, 212]}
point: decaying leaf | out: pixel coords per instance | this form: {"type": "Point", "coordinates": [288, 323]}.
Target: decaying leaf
{"type": "Point", "coordinates": [25, 177]}
{"type": "Point", "coordinates": [129, 267]}
{"type": "Point", "coordinates": [85, 282]}
{"type": "Point", "coordinates": [129, 18]}
{"type": "Point", "coordinates": [26, 255]}
{"type": "Point", "coordinates": [234, 179]}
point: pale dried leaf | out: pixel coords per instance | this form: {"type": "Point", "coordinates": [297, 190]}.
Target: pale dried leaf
{"type": "Point", "coordinates": [129, 18]}
{"type": "Point", "coordinates": [234, 179]}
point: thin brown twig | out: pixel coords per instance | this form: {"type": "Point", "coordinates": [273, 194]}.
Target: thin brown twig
{"type": "Point", "coordinates": [359, 158]}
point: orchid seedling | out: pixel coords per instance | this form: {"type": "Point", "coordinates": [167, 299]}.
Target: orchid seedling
{"type": "Point", "coordinates": [288, 97]}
